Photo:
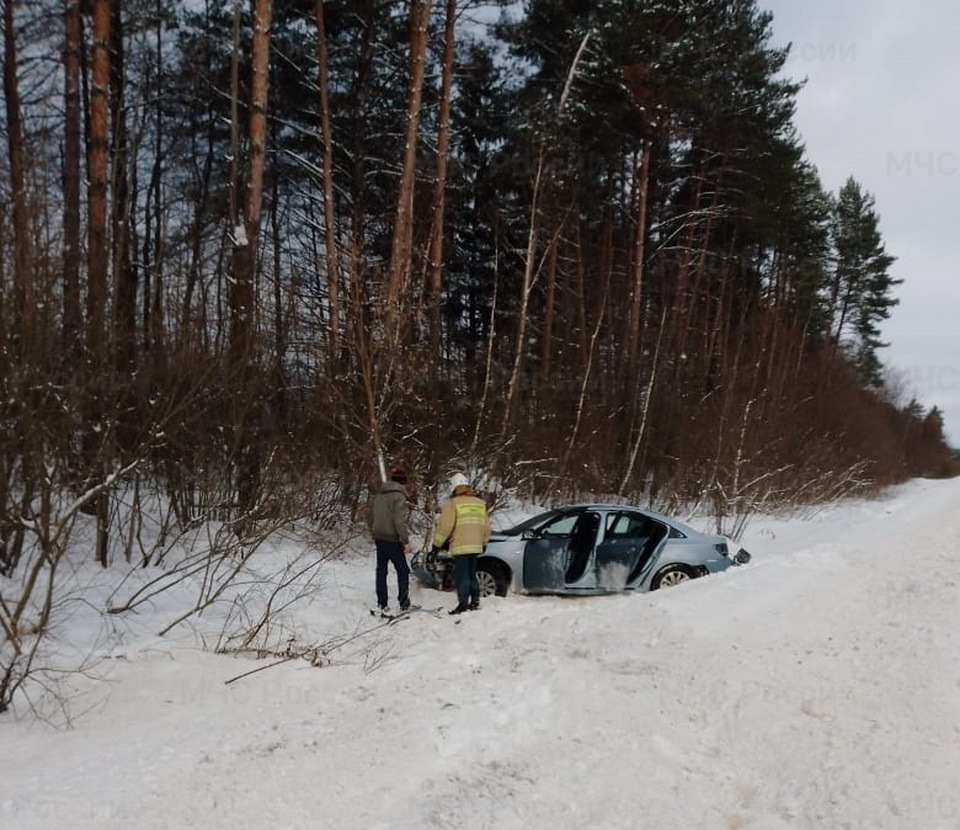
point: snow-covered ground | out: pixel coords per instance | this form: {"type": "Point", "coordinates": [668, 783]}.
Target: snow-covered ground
{"type": "Point", "coordinates": [818, 687]}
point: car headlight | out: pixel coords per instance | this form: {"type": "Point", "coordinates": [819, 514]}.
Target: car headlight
{"type": "Point", "coordinates": [721, 548]}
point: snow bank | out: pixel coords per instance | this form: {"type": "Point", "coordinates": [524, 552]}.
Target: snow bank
{"type": "Point", "coordinates": [816, 687]}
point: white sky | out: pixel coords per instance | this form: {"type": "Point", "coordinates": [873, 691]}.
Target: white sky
{"type": "Point", "coordinates": [881, 104]}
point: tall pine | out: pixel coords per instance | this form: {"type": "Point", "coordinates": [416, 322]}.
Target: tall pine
{"type": "Point", "coordinates": [861, 285]}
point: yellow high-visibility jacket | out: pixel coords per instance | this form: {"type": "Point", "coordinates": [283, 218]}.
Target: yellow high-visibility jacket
{"type": "Point", "coordinates": [464, 522]}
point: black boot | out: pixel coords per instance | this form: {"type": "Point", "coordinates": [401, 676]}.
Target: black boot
{"type": "Point", "coordinates": [474, 605]}
{"type": "Point", "coordinates": [461, 607]}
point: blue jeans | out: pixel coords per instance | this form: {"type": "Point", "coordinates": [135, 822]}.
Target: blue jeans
{"type": "Point", "coordinates": [388, 552]}
{"type": "Point", "coordinates": [465, 575]}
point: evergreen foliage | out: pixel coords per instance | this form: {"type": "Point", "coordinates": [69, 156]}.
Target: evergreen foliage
{"type": "Point", "coordinates": [862, 287]}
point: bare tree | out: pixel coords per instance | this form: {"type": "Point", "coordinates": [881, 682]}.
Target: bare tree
{"type": "Point", "coordinates": [532, 268]}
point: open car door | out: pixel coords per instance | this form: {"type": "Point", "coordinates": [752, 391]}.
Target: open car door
{"type": "Point", "coordinates": [558, 556]}
{"type": "Point", "coordinates": [631, 541]}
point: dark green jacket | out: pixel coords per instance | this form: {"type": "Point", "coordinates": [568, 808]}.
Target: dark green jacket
{"type": "Point", "coordinates": [389, 514]}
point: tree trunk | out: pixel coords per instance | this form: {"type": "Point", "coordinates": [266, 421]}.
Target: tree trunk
{"type": "Point", "coordinates": [530, 272]}
{"type": "Point", "coordinates": [97, 165]}
{"type": "Point", "coordinates": [279, 323]}
{"type": "Point", "coordinates": [639, 255]}
{"type": "Point", "coordinates": [98, 264]}
{"type": "Point", "coordinates": [24, 301]}
{"type": "Point", "coordinates": [329, 211]}
{"type": "Point", "coordinates": [546, 345]}
{"type": "Point", "coordinates": [188, 325]}
{"type": "Point", "coordinates": [153, 327]}
{"type": "Point", "coordinates": [435, 283]}
{"type": "Point", "coordinates": [71, 176]}
{"type": "Point", "coordinates": [246, 238]}
{"type": "Point", "coordinates": [124, 273]}
{"type": "Point", "coordinates": [243, 294]}
{"type": "Point", "coordinates": [587, 358]}
{"type": "Point", "coordinates": [401, 252]}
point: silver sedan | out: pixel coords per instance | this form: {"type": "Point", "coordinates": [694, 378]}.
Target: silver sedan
{"type": "Point", "coordinates": [591, 549]}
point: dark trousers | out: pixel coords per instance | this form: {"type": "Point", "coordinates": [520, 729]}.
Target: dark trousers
{"type": "Point", "coordinates": [388, 552]}
{"type": "Point", "coordinates": [465, 575]}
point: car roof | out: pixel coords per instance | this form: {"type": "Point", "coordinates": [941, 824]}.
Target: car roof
{"type": "Point", "coordinates": [670, 520]}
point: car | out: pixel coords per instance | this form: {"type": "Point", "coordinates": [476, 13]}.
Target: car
{"type": "Point", "coordinates": [590, 549]}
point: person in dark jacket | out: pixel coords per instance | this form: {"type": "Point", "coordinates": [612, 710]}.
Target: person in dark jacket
{"type": "Point", "coordinates": [388, 524]}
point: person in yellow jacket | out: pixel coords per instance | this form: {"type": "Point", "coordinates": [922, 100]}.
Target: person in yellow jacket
{"type": "Point", "coordinates": [464, 523]}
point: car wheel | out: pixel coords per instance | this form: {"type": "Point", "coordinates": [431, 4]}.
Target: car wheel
{"type": "Point", "coordinates": [493, 579]}
{"type": "Point", "coordinates": [670, 576]}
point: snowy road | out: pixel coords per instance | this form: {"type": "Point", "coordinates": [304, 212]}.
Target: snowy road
{"type": "Point", "coordinates": [818, 687]}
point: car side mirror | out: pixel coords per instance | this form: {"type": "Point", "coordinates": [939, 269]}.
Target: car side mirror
{"type": "Point", "coordinates": [527, 535]}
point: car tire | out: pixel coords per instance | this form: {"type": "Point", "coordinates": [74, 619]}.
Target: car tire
{"type": "Point", "coordinates": [671, 575]}
{"type": "Point", "coordinates": [493, 579]}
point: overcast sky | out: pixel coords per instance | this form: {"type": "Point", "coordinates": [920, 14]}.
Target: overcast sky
{"type": "Point", "coordinates": [881, 104]}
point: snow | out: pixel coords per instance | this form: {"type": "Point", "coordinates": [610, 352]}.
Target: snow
{"type": "Point", "coordinates": [817, 687]}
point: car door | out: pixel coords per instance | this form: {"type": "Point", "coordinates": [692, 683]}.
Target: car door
{"type": "Point", "coordinates": [560, 554]}
{"type": "Point", "coordinates": [630, 545]}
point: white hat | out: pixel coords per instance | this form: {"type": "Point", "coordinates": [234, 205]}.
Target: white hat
{"type": "Point", "coordinates": [458, 480]}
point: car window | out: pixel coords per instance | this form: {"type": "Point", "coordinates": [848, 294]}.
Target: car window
{"type": "Point", "coordinates": [560, 527]}
{"type": "Point", "coordinates": [624, 526]}
{"type": "Point", "coordinates": [629, 526]}
{"type": "Point", "coordinates": [528, 524]}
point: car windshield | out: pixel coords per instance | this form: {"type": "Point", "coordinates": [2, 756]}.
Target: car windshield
{"type": "Point", "coordinates": [529, 524]}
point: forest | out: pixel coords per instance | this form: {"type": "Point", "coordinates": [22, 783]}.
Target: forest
{"type": "Point", "coordinates": [251, 252]}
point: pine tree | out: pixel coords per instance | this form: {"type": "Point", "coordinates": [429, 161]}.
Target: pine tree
{"type": "Point", "coordinates": [861, 286]}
